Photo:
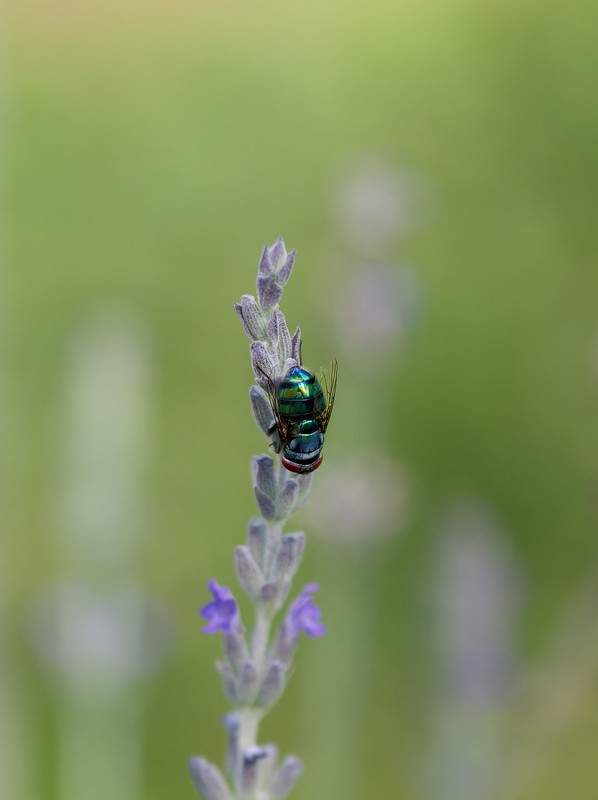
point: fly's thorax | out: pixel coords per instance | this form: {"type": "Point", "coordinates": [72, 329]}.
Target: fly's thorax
{"type": "Point", "coordinates": [300, 395]}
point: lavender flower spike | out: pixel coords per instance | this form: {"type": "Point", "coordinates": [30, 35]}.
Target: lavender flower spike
{"type": "Point", "coordinates": [254, 669]}
{"type": "Point", "coordinates": [222, 612]}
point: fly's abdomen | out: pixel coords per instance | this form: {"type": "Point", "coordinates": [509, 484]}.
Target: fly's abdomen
{"type": "Point", "coordinates": [300, 395]}
{"type": "Point", "coordinates": [303, 453]}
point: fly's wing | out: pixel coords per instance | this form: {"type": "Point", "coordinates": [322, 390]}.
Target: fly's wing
{"type": "Point", "coordinates": [330, 392]}
{"type": "Point", "coordinates": [281, 425]}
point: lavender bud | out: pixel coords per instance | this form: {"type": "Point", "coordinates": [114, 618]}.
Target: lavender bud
{"type": "Point", "coordinates": [285, 777]}
{"type": "Point", "coordinates": [264, 477]}
{"type": "Point", "coordinates": [208, 780]}
{"type": "Point", "coordinates": [288, 364]}
{"type": "Point", "coordinates": [304, 482]}
{"type": "Point", "coordinates": [277, 254]}
{"type": "Point", "coordinates": [233, 725]}
{"type": "Point", "coordinates": [289, 554]}
{"type": "Point", "coordinates": [269, 591]}
{"type": "Point", "coordinates": [275, 441]}
{"type": "Point", "coordinates": [262, 410]}
{"type": "Point", "coordinates": [247, 682]}
{"type": "Point", "coordinates": [280, 336]}
{"type": "Point", "coordinates": [228, 681]}
{"type": "Point", "coordinates": [284, 271]}
{"type": "Point", "coordinates": [248, 573]}
{"type": "Point", "coordinates": [268, 764]}
{"type": "Point", "coordinates": [262, 363]}
{"type": "Point", "coordinates": [283, 592]}
{"type": "Point", "coordinates": [273, 685]}
{"type": "Point", "coordinates": [296, 346]}
{"type": "Point", "coordinates": [274, 324]}
{"type": "Point", "coordinates": [250, 769]}
{"type": "Point", "coordinates": [265, 266]}
{"type": "Point", "coordinates": [239, 310]}
{"type": "Point", "coordinates": [254, 754]}
{"type": "Point", "coordinates": [287, 497]}
{"type": "Point", "coordinates": [252, 318]}
{"type": "Point", "coordinates": [284, 648]}
{"type": "Point", "coordinates": [268, 291]}
{"type": "Point", "coordinates": [266, 505]}
{"type": "Point", "coordinates": [257, 539]}
{"type": "Point", "coordinates": [235, 648]}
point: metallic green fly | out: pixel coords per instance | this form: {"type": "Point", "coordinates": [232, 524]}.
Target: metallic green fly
{"type": "Point", "coordinates": [302, 413]}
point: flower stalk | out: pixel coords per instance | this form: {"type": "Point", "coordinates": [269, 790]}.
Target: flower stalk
{"type": "Point", "coordinates": [255, 665]}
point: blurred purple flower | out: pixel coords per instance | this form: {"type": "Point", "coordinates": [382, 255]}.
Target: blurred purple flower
{"type": "Point", "coordinates": [304, 615]}
{"type": "Point", "coordinates": [361, 500]}
{"type": "Point", "coordinates": [222, 613]}
{"type": "Point", "coordinates": [377, 204]}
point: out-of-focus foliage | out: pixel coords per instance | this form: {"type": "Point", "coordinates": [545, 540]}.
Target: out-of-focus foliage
{"type": "Point", "coordinates": [148, 152]}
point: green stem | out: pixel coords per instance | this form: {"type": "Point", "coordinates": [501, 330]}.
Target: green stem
{"type": "Point", "coordinates": [261, 638]}
{"type": "Point", "coordinates": [249, 720]}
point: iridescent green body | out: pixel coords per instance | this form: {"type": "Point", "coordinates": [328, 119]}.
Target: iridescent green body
{"type": "Point", "coordinates": [302, 413]}
{"type": "Point", "coordinates": [300, 395]}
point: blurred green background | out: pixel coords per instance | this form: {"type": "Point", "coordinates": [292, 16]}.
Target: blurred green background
{"type": "Point", "coordinates": [149, 151]}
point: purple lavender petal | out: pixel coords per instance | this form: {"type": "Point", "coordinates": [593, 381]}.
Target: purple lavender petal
{"type": "Point", "coordinates": [222, 613]}
{"type": "Point", "coordinates": [304, 615]}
